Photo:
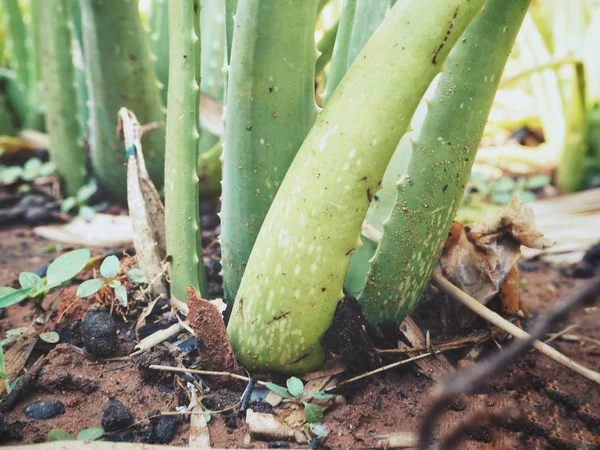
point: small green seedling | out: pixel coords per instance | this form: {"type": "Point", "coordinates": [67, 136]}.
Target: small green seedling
{"type": "Point", "coordinates": [7, 383]}
{"type": "Point", "coordinates": [502, 190]}
{"type": "Point", "coordinates": [61, 270]}
{"type": "Point", "coordinates": [80, 201]}
{"type": "Point", "coordinates": [87, 434]}
{"type": "Point", "coordinates": [33, 168]}
{"type": "Point", "coordinates": [108, 270]}
{"type": "Point", "coordinates": [295, 392]}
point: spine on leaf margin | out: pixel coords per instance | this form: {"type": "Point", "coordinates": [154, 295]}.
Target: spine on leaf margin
{"type": "Point", "coordinates": [61, 94]}
{"type": "Point", "coordinates": [270, 108]}
{"type": "Point", "coordinates": [181, 189]}
{"type": "Point", "coordinates": [295, 274]}
{"type": "Point", "coordinates": [120, 72]}
{"type": "Point", "coordinates": [443, 154]}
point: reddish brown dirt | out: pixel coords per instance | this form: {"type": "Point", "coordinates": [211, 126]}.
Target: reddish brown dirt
{"type": "Point", "coordinates": [562, 409]}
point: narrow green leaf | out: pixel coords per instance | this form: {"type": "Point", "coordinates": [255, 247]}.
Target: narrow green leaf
{"type": "Point", "coordinates": [51, 337]}
{"type": "Point", "coordinates": [89, 287]}
{"type": "Point", "coordinates": [31, 169]}
{"type": "Point", "coordinates": [136, 276]}
{"type": "Point", "coordinates": [313, 413]}
{"type": "Point", "coordinates": [12, 384]}
{"type": "Point", "coordinates": [322, 396]}
{"type": "Point", "coordinates": [9, 175]}
{"type": "Point", "coordinates": [87, 212]}
{"type": "Point", "coordinates": [2, 364]}
{"type": "Point", "coordinates": [276, 389]}
{"type": "Point", "coordinates": [67, 266]}
{"type": "Point", "coordinates": [68, 204]}
{"type": "Point", "coordinates": [46, 169]}
{"type": "Point", "coordinates": [538, 181]}
{"type": "Point", "coordinates": [14, 297]}
{"type": "Point", "coordinates": [320, 430]}
{"type": "Point", "coordinates": [295, 386]}
{"type": "Point", "coordinates": [110, 267]}
{"type": "Point", "coordinates": [30, 280]}
{"type": "Point", "coordinates": [5, 290]}
{"type": "Point", "coordinates": [121, 294]}
{"type": "Point", "coordinates": [114, 283]}
{"type": "Point", "coordinates": [59, 435]}
{"type": "Point", "coordinates": [86, 192]}
{"type": "Point", "coordinates": [90, 434]}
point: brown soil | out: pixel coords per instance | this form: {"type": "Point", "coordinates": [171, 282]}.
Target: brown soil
{"type": "Point", "coordinates": [560, 409]}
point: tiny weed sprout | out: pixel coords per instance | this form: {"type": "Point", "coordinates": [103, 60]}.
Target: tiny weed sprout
{"type": "Point", "coordinates": [61, 270]}
{"type": "Point", "coordinates": [32, 169]}
{"type": "Point", "coordinates": [80, 201]}
{"type": "Point", "coordinates": [108, 270]}
{"type": "Point", "coordinates": [87, 434]}
{"type": "Point", "coordinates": [295, 392]}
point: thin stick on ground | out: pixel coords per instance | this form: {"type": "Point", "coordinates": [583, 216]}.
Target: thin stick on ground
{"type": "Point", "coordinates": [203, 372]}
{"type": "Point", "coordinates": [467, 381]}
{"type": "Point", "coordinates": [499, 321]}
{"type": "Point", "coordinates": [554, 336]}
{"type": "Point", "coordinates": [383, 369]}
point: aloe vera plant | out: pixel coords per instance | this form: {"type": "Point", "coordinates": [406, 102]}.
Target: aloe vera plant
{"type": "Point", "coordinates": [120, 73]}
{"type": "Point", "coordinates": [66, 149]}
{"type": "Point", "coordinates": [443, 154]}
{"type": "Point", "coordinates": [293, 280]}
{"type": "Point", "coordinates": [181, 192]}
{"type": "Point", "coordinates": [270, 108]}
{"type": "Point", "coordinates": [23, 50]}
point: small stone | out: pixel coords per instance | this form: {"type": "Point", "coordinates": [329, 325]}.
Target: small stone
{"type": "Point", "coordinates": [209, 221]}
{"type": "Point", "coordinates": [166, 429]}
{"type": "Point", "coordinates": [116, 416]}
{"type": "Point", "coordinates": [36, 215]}
{"type": "Point", "coordinates": [99, 332]}
{"type": "Point", "coordinates": [10, 431]}
{"type": "Point", "coordinates": [44, 409]}
{"type": "Point", "coordinates": [583, 270]}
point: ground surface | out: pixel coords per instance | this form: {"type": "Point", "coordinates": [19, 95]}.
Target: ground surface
{"type": "Point", "coordinates": [562, 410]}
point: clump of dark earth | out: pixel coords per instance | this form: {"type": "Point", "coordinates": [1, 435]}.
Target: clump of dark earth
{"type": "Point", "coordinates": [32, 208]}
{"type": "Point", "coordinates": [165, 430]}
{"type": "Point", "coordinates": [588, 264]}
{"type": "Point", "coordinates": [9, 431]}
{"type": "Point", "coordinates": [99, 332]}
{"type": "Point", "coordinates": [116, 416]}
{"type": "Point", "coordinates": [162, 429]}
{"type": "Point", "coordinates": [44, 409]}
{"type": "Point", "coordinates": [125, 436]}
{"type": "Point", "coordinates": [279, 444]}
{"type": "Point", "coordinates": [350, 337]}
{"type": "Point", "coordinates": [71, 334]}
{"type": "Point", "coordinates": [157, 356]}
